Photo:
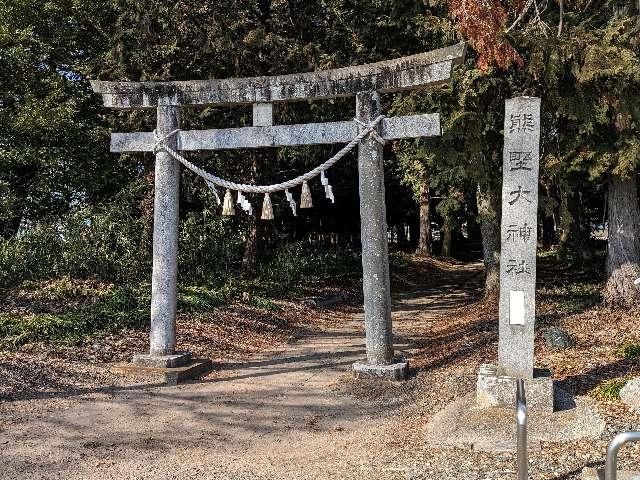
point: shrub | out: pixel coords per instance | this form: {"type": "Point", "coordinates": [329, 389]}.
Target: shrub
{"type": "Point", "coordinates": [210, 248]}
{"type": "Point", "coordinates": [104, 312]}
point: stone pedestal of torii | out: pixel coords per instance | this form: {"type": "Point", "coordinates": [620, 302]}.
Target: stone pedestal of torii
{"type": "Point", "coordinates": [365, 82]}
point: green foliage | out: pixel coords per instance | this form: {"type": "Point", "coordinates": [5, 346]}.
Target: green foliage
{"type": "Point", "coordinates": [199, 299]}
{"type": "Point", "coordinates": [609, 389]}
{"type": "Point", "coordinates": [295, 266]}
{"type": "Point", "coordinates": [110, 311]}
{"type": "Point", "coordinates": [630, 351]}
{"type": "Point", "coordinates": [264, 304]}
{"type": "Point", "coordinates": [104, 241]}
{"type": "Point", "coordinates": [209, 247]}
{"type": "Point", "coordinates": [399, 260]}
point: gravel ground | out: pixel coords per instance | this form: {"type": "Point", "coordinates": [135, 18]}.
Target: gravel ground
{"type": "Point", "coordinates": [293, 411]}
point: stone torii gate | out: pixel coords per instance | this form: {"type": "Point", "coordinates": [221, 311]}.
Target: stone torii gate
{"type": "Point", "coordinates": [365, 82]}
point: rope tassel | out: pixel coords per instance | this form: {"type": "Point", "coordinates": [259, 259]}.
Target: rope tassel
{"type": "Point", "coordinates": [267, 208]}
{"type": "Point", "coordinates": [228, 209]}
{"type": "Point", "coordinates": [305, 198]}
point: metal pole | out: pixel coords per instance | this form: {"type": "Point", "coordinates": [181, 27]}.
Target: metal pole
{"type": "Point", "coordinates": [611, 467]}
{"type": "Point", "coordinates": [521, 419]}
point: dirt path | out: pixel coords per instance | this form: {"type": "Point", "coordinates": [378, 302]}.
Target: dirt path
{"type": "Point", "coordinates": [280, 415]}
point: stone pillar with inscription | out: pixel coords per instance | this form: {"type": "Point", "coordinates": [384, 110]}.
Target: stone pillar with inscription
{"type": "Point", "coordinates": [497, 385]}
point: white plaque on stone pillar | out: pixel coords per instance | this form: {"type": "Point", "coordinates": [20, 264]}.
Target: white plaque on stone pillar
{"type": "Point", "coordinates": [519, 237]}
{"type": "Point", "coordinates": [516, 307]}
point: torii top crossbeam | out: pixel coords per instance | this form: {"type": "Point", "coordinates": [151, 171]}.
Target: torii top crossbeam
{"type": "Point", "coordinates": [430, 68]}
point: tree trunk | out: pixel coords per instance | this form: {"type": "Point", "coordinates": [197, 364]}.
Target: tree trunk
{"type": "Point", "coordinates": [488, 205]}
{"type": "Point", "coordinates": [623, 248]}
{"type": "Point", "coordinates": [424, 239]}
{"type": "Point", "coordinates": [575, 228]}
{"type": "Point", "coordinates": [446, 240]}
{"type": "Point", "coordinates": [548, 231]}
{"type": "Point", "coordinates": [401, 235]}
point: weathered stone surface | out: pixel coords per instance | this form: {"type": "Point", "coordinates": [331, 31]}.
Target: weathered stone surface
{"type": "Point", "coordinates": [262, 114]}
{"type": "Point", "coordinates": [169, 375]}
{"type": "Point", "coordinates": [196, 369]}
{"type": "Point", "coordinates": [495, 390]}
{"type": "Point", "coordinates": [519, 237]}
{"type": "Point", "coordinates": [165, 241]}
{"type": "Point", "coordinates": [630, 394]}
{"type": "Point", "coordinates": [373, 228]}
{"type": "Point", "coordinates": [556, 337]}
{"type": "Point", "coordinates": [598, 474]}
{"type": "Point", "coordinates": [393, 128]}
{"type": "Point", "coordinates": [429, 68]}
{"type": "Point", "coordinates": [178, 359]}
{"type": "Point", "coordinates": [395, 371]}
{"type": "Point", "coordinates": [463, 424]}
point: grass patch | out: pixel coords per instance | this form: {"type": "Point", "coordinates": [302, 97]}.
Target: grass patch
{"type": "Point", "coordinates": [630, 351]}
{"type": "Point", "coordinates": [199, 299]}
{"type": "Point", "coordinates": [114, 309]}
{"type": "Point", "coordinates": [264, 304]}
{"type": "Point", "coordinates": [609, 389]}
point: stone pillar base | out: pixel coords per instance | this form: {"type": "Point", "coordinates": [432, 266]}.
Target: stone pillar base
{"type": "Point", "coordinates": [495, 390]}
{"type": "Point", "coordinates": [395, 371]}
{"type": "Point", "coordinates": [178, 359]}
{"type": "Point", "coordinates": [196, 368]}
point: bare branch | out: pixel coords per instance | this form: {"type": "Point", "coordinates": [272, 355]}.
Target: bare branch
{"type": "Point", "coordinates": [561, 3]}
{"type": "Point", "coordinates": [520, 17]}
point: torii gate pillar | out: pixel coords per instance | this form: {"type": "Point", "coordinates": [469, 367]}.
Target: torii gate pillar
{"type": "Point", "coordinates": [375, 256]}
{"type": "Point", "coordinates": [164, 277]}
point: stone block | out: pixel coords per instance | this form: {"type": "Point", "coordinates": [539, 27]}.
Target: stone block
{"type": "Point", "coordinates": [170, 376]}
{"type": "Point", "coordinates": [495, 390]}
{"type": "Point", "coordinates": [396, 371]}
{"type": "Point", "coordinates": [461, 424]}
{"type": "Point", "coordinates": [630, 394]}
{"type": "Point", "coordinates": [179, 359]}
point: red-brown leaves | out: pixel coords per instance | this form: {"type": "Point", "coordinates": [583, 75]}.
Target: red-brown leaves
{"type": "Point", "coordinates": [482, 23]}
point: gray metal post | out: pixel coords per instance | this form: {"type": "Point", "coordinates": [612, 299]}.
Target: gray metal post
{"type": "Point", "coordinates": [165, 240]}
{"type": "Point", "coordinates": [521, 420]}
{"type": "Point", "coordinates": [611, 466]}
{"type": "Point", "coordinates": [375, 255]}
